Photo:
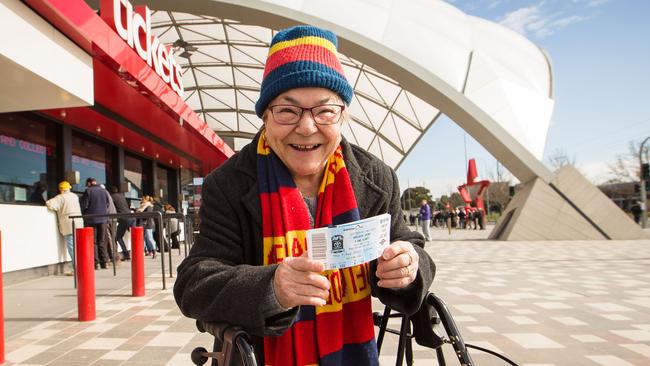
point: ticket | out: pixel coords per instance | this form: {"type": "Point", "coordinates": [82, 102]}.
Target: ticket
{"type": "Point", "coordinates": [349, 244]}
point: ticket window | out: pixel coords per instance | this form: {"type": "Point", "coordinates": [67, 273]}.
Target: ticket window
{"type": "Point", "coordinates": [28, 151]}
{"type": "Point", "coordinates": [92, 159]}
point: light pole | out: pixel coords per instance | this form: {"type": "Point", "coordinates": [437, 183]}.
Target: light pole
{"type": "Point", "coordinates": [644, 209]}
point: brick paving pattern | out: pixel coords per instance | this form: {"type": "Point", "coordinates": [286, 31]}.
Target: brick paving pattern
{"type": "Point", "coordinates": [541, 303]}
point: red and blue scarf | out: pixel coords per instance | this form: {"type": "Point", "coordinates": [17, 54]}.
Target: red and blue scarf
{"type": "Point", "coordinates": [340, 332]}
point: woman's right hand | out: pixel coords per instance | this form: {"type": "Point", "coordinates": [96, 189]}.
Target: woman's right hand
{"type": "Point", "coordinates": [298, 281]}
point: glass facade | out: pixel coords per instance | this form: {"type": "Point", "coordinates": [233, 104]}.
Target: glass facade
{"type": "Point", "coordinates": [162, 186]}
{"type": "Point", "coordinates": [166, 185]}
{"type": "Point", "coordinates": [28, 151]}
{"type": "Point", "coordinates": [137, 173]}
{"type": "Point", "coordinates": [91, 158]}
{"type": "Point", "coordinates": [191, 191]}
{"type": "Point", "coordinates": [32, 164]}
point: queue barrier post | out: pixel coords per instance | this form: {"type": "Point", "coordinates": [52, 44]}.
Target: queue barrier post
{"type": "Point", "coordinates": [85, 257]}
{"type": "Point", "coordinates": [137, 261]}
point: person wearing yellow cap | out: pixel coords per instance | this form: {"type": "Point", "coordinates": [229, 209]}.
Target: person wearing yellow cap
{"type": "Point", "coordinates": [66, 204]}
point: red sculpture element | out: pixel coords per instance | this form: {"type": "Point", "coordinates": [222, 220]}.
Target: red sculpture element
{"type": "Point", "coordinates": [472, 175]}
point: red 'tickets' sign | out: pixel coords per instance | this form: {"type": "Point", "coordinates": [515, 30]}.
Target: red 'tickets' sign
{"type": "Point", "coordinates": [134, 26]}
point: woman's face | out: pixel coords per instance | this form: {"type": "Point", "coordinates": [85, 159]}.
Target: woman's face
{"type": "Point", "coordinates": [304, 147]}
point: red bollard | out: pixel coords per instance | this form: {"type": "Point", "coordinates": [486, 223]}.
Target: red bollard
{"type": "Point", "coordinates": [2, 313]}
{"type": "Point", "coordinates": [85, 256]}
{"type": "Point", "coordinates": [137, 261]}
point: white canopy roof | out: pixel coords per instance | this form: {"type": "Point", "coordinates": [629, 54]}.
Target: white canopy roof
{"type": "Point", "coordinates": [499, 71]}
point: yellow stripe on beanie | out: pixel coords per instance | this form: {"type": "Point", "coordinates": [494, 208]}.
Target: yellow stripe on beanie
{"type": "Point", "coordinates": [309, 40]}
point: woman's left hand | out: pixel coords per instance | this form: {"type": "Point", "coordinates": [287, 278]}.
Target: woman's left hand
{"type": "Point", "coordinates": [398, 265]}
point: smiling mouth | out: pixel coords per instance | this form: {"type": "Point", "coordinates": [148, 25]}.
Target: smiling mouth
{"type": "Point", "coordinates": [305, 147]}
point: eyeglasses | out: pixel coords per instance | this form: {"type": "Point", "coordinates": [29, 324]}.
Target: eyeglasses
{"type": "Point", "coordinates": [326, 114]}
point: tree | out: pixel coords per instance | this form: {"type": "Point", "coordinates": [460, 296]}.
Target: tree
{"type": "Point", "coordinates": [456, 200]}
{"type": "Point", "coordinates": [559, 158]}
{"type": "Point", "coordinates": [444, 200]}
{"type": "Point", "coordinates": [411, 197]}
{"type": "Point", "coordinates": [499, 196]}
{"type": "Point", "coordinates": [626, 166]}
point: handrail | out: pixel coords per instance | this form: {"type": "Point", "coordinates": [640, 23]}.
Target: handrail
{"type": "Point", "coordinates": [158, 216]}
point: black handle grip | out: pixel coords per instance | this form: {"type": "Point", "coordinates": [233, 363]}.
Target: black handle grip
{"type": "Point", "coordinates": [198, 356]}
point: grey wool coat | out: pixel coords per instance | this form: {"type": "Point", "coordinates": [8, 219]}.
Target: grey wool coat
{"type": "Point", "coordinates": [223, 278]}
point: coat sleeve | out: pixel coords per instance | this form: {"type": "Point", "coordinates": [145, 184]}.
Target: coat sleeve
{"type": "Point", "coordinates": [215, 284]}
{"type": "Point", "coordinates": [54, 203]}
{"type": "Point", "coordinates": [83, 202]}
{"type": "Point", "coordinates": [408, 299]}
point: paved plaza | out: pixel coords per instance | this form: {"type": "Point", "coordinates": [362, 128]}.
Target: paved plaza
{"type": "Point", "coordinates": [541, 303]}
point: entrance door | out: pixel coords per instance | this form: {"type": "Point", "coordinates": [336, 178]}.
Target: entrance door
{"type": "Point", "coordinates": [166, 185]}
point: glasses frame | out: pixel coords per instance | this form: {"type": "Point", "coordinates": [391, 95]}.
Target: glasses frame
{"type": "Point", "coordinates": [311, 111]}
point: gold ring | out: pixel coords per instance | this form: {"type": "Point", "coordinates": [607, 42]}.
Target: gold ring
{"type": "Point", "coordinates": [410, 260]}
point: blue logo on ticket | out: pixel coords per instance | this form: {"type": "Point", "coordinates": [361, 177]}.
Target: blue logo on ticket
{"type": "Point", "coordinates": [349, 244]}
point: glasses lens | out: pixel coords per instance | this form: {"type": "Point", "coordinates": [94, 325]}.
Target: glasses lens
{"type": "Point", "coordinates": [327, 114]}
{"type": "Point", "coordinates": [286, 114]}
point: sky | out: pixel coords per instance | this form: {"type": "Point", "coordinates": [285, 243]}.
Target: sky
{"type": "Point", "coordinates": [600, 54]}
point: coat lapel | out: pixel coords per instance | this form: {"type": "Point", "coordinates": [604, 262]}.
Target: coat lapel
{"type": "Point", "coordinates": [370, 197]}
{"type": "Point", "coordinates": [250, 201]}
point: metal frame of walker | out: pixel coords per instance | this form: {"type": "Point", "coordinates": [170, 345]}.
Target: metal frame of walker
{"type": "Point", "coordinates": [432, 312]}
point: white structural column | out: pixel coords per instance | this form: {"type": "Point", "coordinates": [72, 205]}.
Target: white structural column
{"type": "Point", "coordinates": [35, 56]}
{"type": "Point", "coordinates": [491, 81]}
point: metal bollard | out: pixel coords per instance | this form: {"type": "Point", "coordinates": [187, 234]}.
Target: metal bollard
{"type": "Point", "coordinates": [85, 257]}
{"type": "Point", "coordinates": [137, 261]}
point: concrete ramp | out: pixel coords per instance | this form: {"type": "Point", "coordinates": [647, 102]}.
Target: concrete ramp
{"type": "Point", "coordinates": [569, 208]}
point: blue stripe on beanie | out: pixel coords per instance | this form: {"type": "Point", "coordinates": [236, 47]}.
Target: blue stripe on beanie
{"type": "Point", "coordinates": [310, 72]}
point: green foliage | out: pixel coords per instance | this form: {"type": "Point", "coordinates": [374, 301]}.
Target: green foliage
{"type": "Point", "coordinates": [412, 197]}
{"type": "Point", "coordinates": [456, 200]}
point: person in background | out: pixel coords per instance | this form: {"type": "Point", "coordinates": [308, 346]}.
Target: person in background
{"type": "Point", "coordinates": [173, 226]}
{"type": "Point", "coordinates": [636, 211]}
{"type": "Point", "coordinates": [425, 219]}
{"type": "Point", "coordinates": [38, 193]}
{"type": "Point", "coordinates": [96, 200]}
{"type": "Point", "coordinates": [300, 173]}
{"type": "Point", "coordinates": [123, 224]}
{"type": "Point", "coordinates": [110, 228]}
{"type": "Point", "coordinates": [66, 204]}
{"type": "Point", "coordinates": [158, 207]}
{"type": "Point", "coordinates": [146, 205]}
{"type": "Point", "coordinates": [461, 218]}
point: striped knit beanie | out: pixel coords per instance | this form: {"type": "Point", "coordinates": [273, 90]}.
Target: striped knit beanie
{"type": "Point", "coordinates": [302, 56]}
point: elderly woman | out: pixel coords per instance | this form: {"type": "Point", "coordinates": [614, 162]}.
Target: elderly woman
{"type": "Point", "coordinates": [249, 267]}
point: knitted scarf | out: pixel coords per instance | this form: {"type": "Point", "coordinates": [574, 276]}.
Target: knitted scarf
{"type": "Point", "coordinates": [340, 332]}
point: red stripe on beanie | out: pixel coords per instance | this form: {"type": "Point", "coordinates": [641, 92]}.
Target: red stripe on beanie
{"type": "Point", "coordinates": [303, 52]}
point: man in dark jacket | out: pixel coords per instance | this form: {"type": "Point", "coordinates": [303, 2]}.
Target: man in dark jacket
{"type": "Point", "coordinates": [122, 206]}
{"type": "Point", "coordinates": [95, 200]}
